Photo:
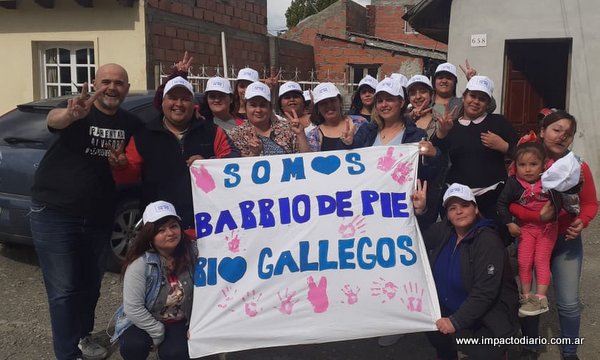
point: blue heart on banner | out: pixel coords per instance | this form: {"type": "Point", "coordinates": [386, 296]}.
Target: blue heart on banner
{"type": "Point", "coordinates": [232, 269]}
{"type": "Point", "coordinates": [325, 164]}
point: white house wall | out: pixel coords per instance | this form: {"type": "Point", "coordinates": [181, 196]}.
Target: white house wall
{"type": "Point", "coordinates": [117, 32]}
{"type": "Point", "coordinates": [537, 19]}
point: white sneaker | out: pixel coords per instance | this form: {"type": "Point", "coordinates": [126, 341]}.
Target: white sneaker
{"type": "Point", "coordinates": [91, 350]}
{"type": "Point", "coordinates": [389, 340]}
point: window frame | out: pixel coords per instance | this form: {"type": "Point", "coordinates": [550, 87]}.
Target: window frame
{"type": "Point", "coordinates": [59, 86]}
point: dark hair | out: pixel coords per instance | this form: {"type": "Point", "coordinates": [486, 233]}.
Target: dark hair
{"type": "Point", "coordinates": [315, 115]}
{"type": "Point", "coordinates": [356, 105]}
{"type": "Point", "coordinates": [530, 147]}
{"type": "Point", "coordinates": [237, 101]}
{"type": "Point", "coordinates": [559, 115]}
{"type": "Point", "coordinates": [143, 242]}
{"type": "Point", "coordinates": [435, 76]}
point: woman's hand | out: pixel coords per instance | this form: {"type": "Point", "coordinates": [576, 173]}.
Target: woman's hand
{"type": "Point", "coordinates": [184, 64]}
{"type": "Point", "coordinates": [445, 120]}
{"type": "Point", "coordinates": [296, 124]}
{"type": "Point", "coordinates": [416, 113]}
{"type": "Point", "coordinates": [193, 158]}
{"type": "Point", "coordinates": [348, 133]}
{"type": "Point", "coordinates": [254, 144]}
{"type": "Point", "coordinates": [468, 70]}
{"type": "Point", "coordinates": [445, 326]}
{"type": "Point", "coordinates": [514, 230]}
{"type": "Point", "coordinates": [419, 198]}
{"type": "Point", "coordinates": [494, 142]}
{"type": "Point", "coordinates": [574, 229]}
{"type": "Point", "coordinates": [426, 148]}
{"type": "Point", "coordinates": [273, 80]}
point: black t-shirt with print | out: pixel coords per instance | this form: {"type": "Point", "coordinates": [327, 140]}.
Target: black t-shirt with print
{"type": "Point", "coordinates": [74, 175]}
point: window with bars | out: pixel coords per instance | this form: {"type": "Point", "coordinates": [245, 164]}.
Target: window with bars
{"type": "Point", "coordinates": [407, 28]}
{"type": "Point", "coordinates": [66, 68]}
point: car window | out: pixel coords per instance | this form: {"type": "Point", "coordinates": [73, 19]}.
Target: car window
{"type": "Point", "coordinates": [25, 128]}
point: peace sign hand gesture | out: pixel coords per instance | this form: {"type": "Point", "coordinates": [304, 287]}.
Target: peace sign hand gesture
{"type": "Point", "coordinates": [184, 64]}
{"type": "Point", "coordinates": [255, 146]}
{"type": "Point", "coordinates": [468, 70]}
{"type": "Point", "coordinates": [80, 106]}
{"type": "Point", "coordinates": [445, 121]}
{"type": "Point", "coordinates": [348, 133]}
{"type": "Point", "coordinates": [295, 122]}
{"type": "Point", "coordinates": [416, 113]}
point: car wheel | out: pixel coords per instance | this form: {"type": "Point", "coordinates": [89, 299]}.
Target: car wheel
{"type": "Point", "coordinates": [124, 231]}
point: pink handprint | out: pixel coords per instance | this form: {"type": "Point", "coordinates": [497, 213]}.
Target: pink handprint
{"type": "Point", "coordinates": [317, 295]}
{"type": "Point", "coordinates": [387, 161]}
{"type": "Point", "coordinates": [355, 225]}
{"type": "Point", "coordinates": [203, 179]}
{"type": "Point", "coordinates": [287, 301]}
{"type": "Point", "coordinates": [383, 287]}
{"type": "Point", "coordinates": [351, 294]}
{"type": "Point", "coordinates": [402, 173]}
{"type": "Point", "coordinates": [228, 294]}
{"type": "Point", "coordinates": [414, 300]}
{"type": "Point", "coordinates": [251, 303]}
{"type": "Point", "coordinates": [233, 241]}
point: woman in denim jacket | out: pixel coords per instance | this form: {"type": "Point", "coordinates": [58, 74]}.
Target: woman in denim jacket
{"type": "Point", "coordinates": [157, 288]}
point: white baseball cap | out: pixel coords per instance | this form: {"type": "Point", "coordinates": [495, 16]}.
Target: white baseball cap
{"type": "Point", "coordinates": [258, 89]}
{"type": "Point", "coordinates": [481, 83]}
{"type": "Point", "coordinates": [419, 79]}
{"type": "Point", "coordinates": [306, 94]}
{"type": "Point", "coordinates": [391, 86]}
{"type": "Point", "coordinates": [218, 84]}
{"type": "Point", "coordinates": [403, 80]}
{"type": "Point", "coordinates": [289, 86]}
{"type": "Point", "coordinates": [563, 174]}
{"type": "Point", "coordinates": [324, 91]}
{"type": "Point", "coordinates": [368, 81]}
{"type": "Point", "coordinates": [178, 82]}
{"type": "Point", "coordinates": [446, 67]}
{"type": "Point", "coordinates": [248, 74]}
{"type": "Point", "coordinates": [460, 191]}
{"type": "Point", "coordinates": [158, 210]}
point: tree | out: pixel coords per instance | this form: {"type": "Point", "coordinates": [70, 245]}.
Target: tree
{"type": "Point", "coordinates": [301, 9]}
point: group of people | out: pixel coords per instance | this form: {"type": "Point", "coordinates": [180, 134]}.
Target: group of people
{"type": "Point", "coordinates": [468, 207]}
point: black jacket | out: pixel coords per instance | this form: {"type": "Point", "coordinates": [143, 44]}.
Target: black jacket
{"type": "Point", "coordinates": [493, 297]}
{"type": "Point", "coordinates": [162, 161]}
{"type": "Point", "coordinates": [512, 192]}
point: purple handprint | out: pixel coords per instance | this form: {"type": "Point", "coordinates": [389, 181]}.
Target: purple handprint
{"type": "Point", "coordinates": [287, 301]}
{"type": "Point", "coordinates": [317, 295]}
{"type": "Point", "coordinates": [233, 241]}
{"type": "Point", "coordinates": [414, 300]}
{"type": "Point", "coordinates": [402, 173]}
{"type": "Point", "coordinates": [352, 294]}
{"type": "Point", "coordinates": [355, 225]}
{"type": "Point", "coordinates": [383, 287]}
{"type": "Point", "coordinates": [251, 303]}
{"type": "Point", "coordinates": [386, 162]}
{"type": "Point", "coordinates": [203, 179]}
{"type": "Point", "coordinates": [228, 294]}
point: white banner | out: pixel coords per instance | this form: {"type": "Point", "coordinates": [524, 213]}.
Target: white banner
{"type": "Point", "coordinates": [308, 248]}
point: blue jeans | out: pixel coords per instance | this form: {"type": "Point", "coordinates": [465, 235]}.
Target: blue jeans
{"type": "Point", "coordinates": [72, 253]}
{"type": "Point", "coordinates": [566, 262]}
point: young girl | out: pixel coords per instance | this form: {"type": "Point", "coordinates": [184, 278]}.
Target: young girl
{"type": "Point", "coordinates": [536, 240]}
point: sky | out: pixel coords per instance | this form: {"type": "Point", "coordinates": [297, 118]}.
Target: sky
{"type": "Point", "coordinates": [276, 13]}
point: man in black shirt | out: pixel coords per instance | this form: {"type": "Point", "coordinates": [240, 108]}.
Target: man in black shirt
{"type": "Point", "coordinates": [73, 205]}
